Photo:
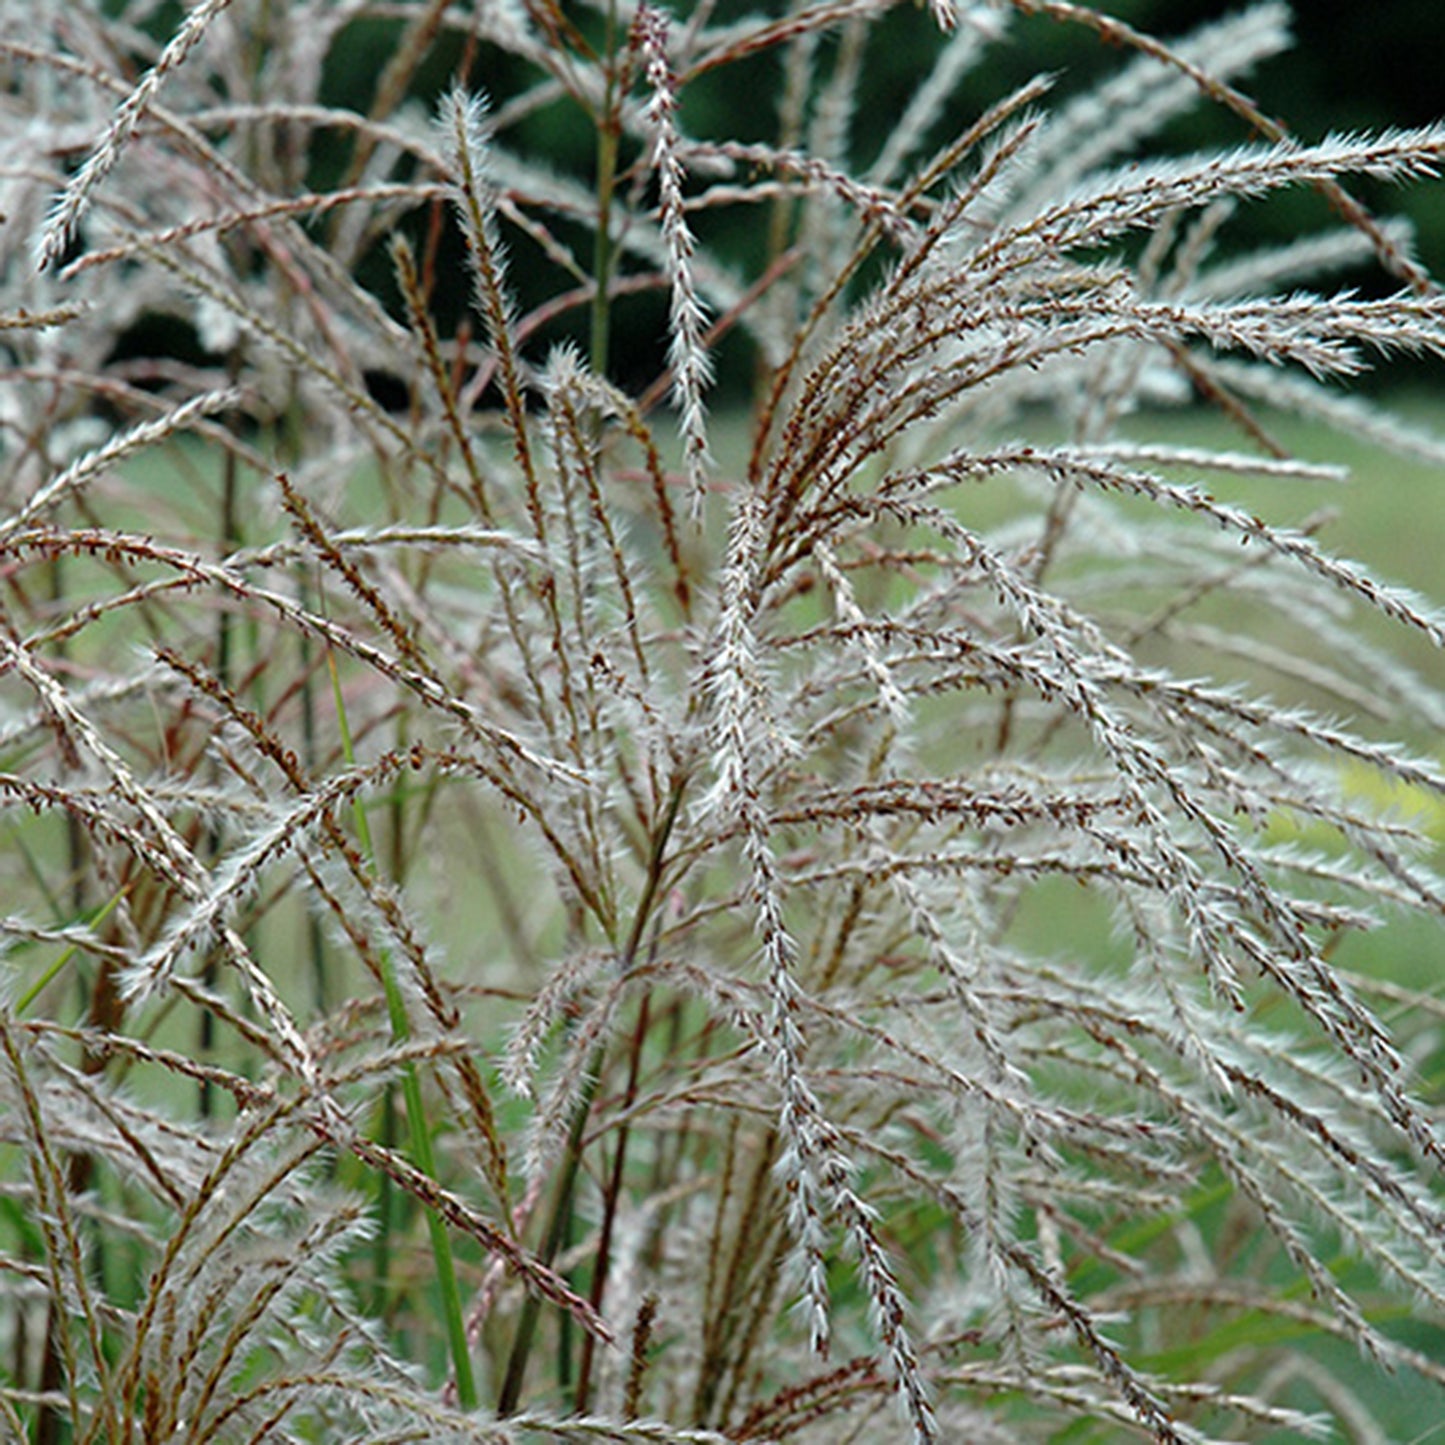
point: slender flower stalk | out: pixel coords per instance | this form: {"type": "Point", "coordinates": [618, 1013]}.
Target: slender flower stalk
{"type": "Point", "coordinates": [687, 320]}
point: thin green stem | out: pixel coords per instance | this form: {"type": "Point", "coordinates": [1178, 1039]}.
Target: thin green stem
{"type": "Point", "coordinates": [66, 954]}
{"type": "Point", "coordinates": [572, 1157]}
{"type": "Point", "coordinates": [609, 128]}
{"type": "Point", "coordinates": [417, 1125]}
{"type": "Point", "coordinates": [512, 1381]}
{"type": "Point", "coordinates": [609, 1207]}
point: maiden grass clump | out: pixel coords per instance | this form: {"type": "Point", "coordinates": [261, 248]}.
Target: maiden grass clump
{"type": "Point", "coordinates": [538, 907]}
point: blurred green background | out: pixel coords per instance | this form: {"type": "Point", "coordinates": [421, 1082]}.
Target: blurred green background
{"type": "Point", "coordinates": [1353, 66]}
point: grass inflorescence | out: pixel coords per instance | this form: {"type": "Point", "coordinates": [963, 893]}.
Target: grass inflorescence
{"type": "Point", "coordinates": [824, 893]}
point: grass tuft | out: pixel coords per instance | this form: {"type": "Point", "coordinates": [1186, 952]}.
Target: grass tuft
{"type": "Point", "coordinates": [823, 874]}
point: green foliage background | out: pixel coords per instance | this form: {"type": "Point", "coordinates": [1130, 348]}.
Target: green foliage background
{"type": "Point", "coordinates": [1353, 67]}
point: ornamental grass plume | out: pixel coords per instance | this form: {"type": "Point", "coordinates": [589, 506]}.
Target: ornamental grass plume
{"type": "Point", "coordinates": [809, 880]}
